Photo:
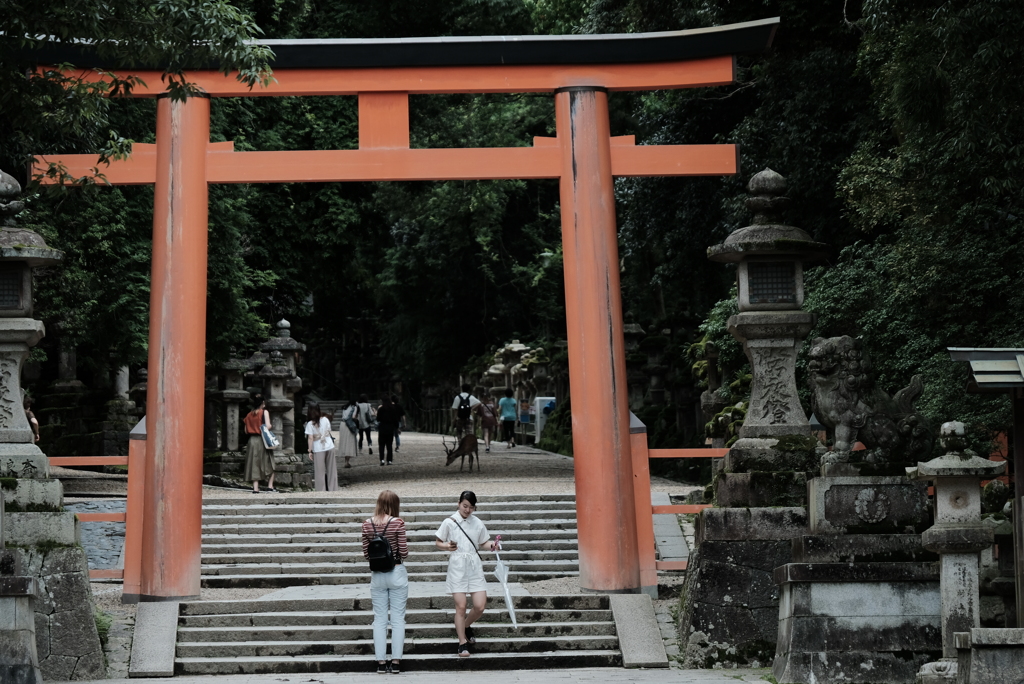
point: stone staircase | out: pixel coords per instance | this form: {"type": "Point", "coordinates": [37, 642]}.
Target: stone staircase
{"type": "Point", "coordinates": [335, 635]}
{"type": "Point", "coordinates": [287, 542]}
{"type": "Point", "coordinates": [283, 542]}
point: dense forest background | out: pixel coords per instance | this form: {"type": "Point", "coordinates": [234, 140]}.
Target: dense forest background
{"type": "Point", "coordinates": [898, 124]}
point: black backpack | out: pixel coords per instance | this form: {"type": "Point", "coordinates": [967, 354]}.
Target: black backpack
{"type": "Point", "coordinates": [378, 551]}
{"type": "Point", "coordinates": [464, 407]}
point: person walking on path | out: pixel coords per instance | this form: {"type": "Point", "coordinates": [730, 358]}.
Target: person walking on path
{"type": "Point", "coordinates": [364, 417]}
{"type": "Point", "coordinates": [347, 435]}
{"type": "Point", "coordinates": [464, 535]}
{"type": "Point", "coordinates": [259, 462]}
{"type": "Point", "coordinates": [462, 411]}
{"type": "Point", "coordinates": [507, 405]}
{"type": "Point", "coordinates": [401, 421]}
{"type": "Point", "coordinates": [321, 451]}
{"type": "Point", "coordinates": [387, 423]}
{"type": "Point", "coordinates": [488, 420]}
{"type": "Point", "coordinates": [388, 589]}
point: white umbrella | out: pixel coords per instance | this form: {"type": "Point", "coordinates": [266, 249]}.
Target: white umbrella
{"type": "Point", "coordinates": [501, 572]}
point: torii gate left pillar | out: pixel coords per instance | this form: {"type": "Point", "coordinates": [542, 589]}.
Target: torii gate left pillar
{"type": "Point", "coordinates": [583, 156]}
{"type": "Point", "coordinates": [173, 509]}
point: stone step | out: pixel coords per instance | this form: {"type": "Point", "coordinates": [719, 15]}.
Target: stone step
{"type": "Point", "coordinates": [360, 566]}
{"type": "Point", "coordinates": [357, 518]}
{"type": "Point", "coordinates": [436, 630]}
{"type": "Point", "coordinates": [365, 617]}
{"type": "Point", "coordinates": [356, 555]}
{"type": "Point", "coordinates": [414, 646]}
{"type": "Point", "coordinates": [367, 508]}
{"type": "Point", "coordinates": [291, 580]}
{"type": "Point", "coordinates": [338, 604]}
{"type": "Point", "coordinates": [369, 502]}
{"type": "Point", "coordinates": [413, 536]}
{"type": "Point", "coordinates": [429, 661]}
{"type": "Point", "coordinates": [425, 529]}
{"type": "Point", "coordinates": [354, 545]}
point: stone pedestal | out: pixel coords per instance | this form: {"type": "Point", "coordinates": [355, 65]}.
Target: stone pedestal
{"type": "Point", "coordinates": [19, 658]}
{"type": "Point", "coordinates": [860, 600]}
{"type": "Point", "coordinates": [990, 656]}
{"type": "Point", "coordinates": [17, 335]}
{"type": "Point", "coordinates": [730, 611]}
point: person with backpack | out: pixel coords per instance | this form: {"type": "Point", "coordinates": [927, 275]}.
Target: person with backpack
{"type": "Point", "coordinates": [364, 419]}
{"type": "Point", "coordinates": [464, 535]}
{"type": "Point", "coordinates": [347, 433]}
{"type": "Point", "coordinates": [462, 411]}
{"type": "Point", "coordinates": [386, 548]}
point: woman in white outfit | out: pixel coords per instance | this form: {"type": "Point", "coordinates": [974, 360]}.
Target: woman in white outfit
{"type": "Point", "coordinates": [321, 450]}
{"type": "Point", "coordinates": [464, 534]}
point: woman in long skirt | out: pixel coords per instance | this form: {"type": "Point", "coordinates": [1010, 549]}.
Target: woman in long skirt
{"type": "Point", "coordinates": [464, 534]}
{"type": "Point", "coordinates": [321, 450]}
{"type": "Point", "coordinates": [259, 462]}
{"type": "Point", "coordinates": [346, 436]}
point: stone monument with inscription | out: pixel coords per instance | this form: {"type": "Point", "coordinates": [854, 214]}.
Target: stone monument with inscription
{"type": "Point", "coordinates": [730, 613]}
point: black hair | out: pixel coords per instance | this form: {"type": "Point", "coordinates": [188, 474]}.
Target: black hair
{"type": "Point", "coordinates": [363, 398]}
{"type": "Point", "coordinates": [467, 388]}
{"type": "Point", "coordinates": [257, 401]}
{"type": "Point", "coordinates": [394, 399]}
{"type": "Point", "coordinates": [385, 400]}
{"type": "Point", "coordinates": [314, 413]}
{"type": "Point", "coordinates": [509, 393]}
{"type": "Point", "coordinates": [468, 496]}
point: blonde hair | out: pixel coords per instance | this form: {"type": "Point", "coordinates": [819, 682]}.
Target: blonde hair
{"type": "Point", "coordinates": [387, 504]}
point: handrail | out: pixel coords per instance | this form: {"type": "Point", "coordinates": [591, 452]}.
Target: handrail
{"type": "Point", "coordinates": [87, 460]}
{"type": "Point", "coordinates": [645, 511]}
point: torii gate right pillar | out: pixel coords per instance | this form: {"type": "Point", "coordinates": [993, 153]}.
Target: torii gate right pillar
{"type": "Point", "coordinates": [605, 513]}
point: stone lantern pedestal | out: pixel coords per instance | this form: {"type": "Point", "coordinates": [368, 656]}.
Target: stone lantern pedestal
{"type": "Point", "coordinates": [52, 592]}
{"type": "Point", "coordinates": [958, 536]}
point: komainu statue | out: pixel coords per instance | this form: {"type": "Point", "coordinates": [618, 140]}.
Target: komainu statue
{"type": "Point", "coordinates": [846, 401]}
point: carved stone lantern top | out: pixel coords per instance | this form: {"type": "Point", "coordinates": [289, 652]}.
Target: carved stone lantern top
{"type": "Point", "coordinates": [20, 243]}
{"type": "Point", "coordinates": [283, 340]}
{"type": "Point", "coordinates": [957, 461]}
{"type": "Point", "coordinates": [766, 236]}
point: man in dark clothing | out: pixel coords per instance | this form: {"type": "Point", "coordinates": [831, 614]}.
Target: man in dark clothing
{"type": "Point", "coordinates": [387, 422]}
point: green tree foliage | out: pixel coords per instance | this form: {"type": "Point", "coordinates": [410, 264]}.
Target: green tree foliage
{"type": "Point", "coordinates": [52, 110]}
{"type": "Point", "coordinates": [937, 191]}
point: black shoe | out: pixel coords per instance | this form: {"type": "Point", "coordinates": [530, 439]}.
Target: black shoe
{"type": "Point", "coordinates": [390, 463]}
{"type": "Point", "coordinates": [395, 667]}
{"type": "Point", "coordinates": [382, 462]}
{"type": "Point", "coordinates": [470, 636]}
{"type": "Point", "coordinates": [464, 650]}
{"type": "Point", "coordinates": [382, 668]}
{"type": "Point", "coordinates": [371, 451]}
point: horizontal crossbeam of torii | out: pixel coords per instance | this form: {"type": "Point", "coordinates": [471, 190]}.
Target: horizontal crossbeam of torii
{"type": "Point", "coordinates": [579, 71]}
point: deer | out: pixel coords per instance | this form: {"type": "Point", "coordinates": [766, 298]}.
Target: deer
{"type": "Point", "coordinates": [468, 446]}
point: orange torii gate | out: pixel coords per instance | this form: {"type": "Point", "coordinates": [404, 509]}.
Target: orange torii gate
{"type": "Point", "coordinates": [579, 71]}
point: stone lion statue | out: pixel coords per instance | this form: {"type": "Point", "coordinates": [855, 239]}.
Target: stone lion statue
{"type": "Point", "coordinates": [846, 401]}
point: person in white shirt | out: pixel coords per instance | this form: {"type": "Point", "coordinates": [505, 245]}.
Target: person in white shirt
{"type": "Point", "coordinates": [462, 411]}
{"type": "Point", "coordinates": [321, 450]}
{"type": "Point", "coordinates": [464, 535]}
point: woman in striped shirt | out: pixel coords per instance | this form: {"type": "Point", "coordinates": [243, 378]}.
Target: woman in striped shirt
{"type": "Point", "coordinates": [388, 589]}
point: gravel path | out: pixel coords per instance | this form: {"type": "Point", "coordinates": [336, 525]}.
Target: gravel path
{"type": "Point", "coordinates": [419, 470]}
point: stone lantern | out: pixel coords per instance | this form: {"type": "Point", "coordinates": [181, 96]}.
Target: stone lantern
{"type": "Point", "coordinates": [958, 536]}
{"type": "Point", "coordinates": [287, 349]}
{"type": "Point", "coordinates": [771, 324]}
{"type": "Point", "coordinates": [21, 250]}
{"type": "Point", "coordinates": [234, 396]}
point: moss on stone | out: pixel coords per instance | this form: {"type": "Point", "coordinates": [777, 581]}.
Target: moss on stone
{"type": "Point", "coordinates": [8, 483]}
{"type": "Point", "coordinates": [796, 443]}
{"type": "Point", "coordinates": [15, 507]}
{"type": "Point", "coordinates": [103, 623]}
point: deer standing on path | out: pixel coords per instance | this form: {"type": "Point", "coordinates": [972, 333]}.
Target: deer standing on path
{"type": "Point", "coordinates": [468, 446]}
